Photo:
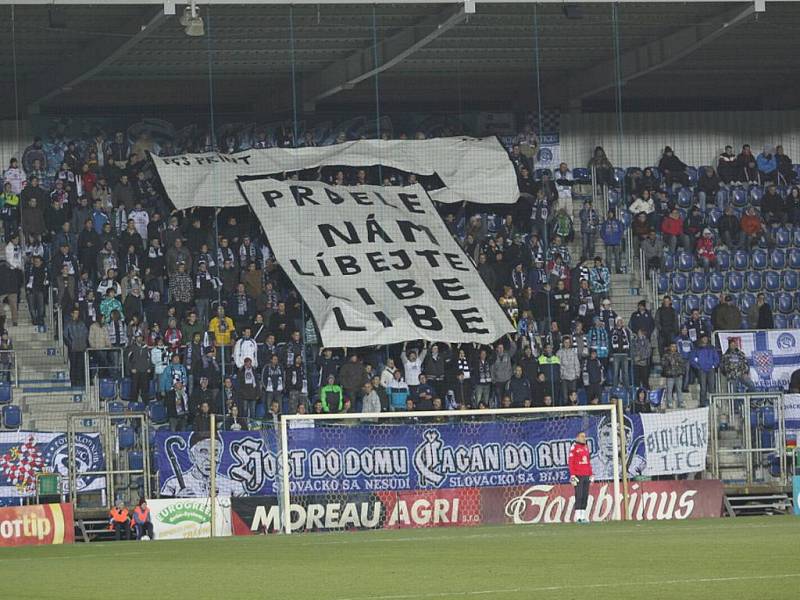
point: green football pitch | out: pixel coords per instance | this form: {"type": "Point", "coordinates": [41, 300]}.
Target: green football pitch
{"type": "Point", "coordinates": [729, 559]}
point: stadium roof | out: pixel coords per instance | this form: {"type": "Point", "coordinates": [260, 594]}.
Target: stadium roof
{"type": "Point", "coordinates": [688, 55]}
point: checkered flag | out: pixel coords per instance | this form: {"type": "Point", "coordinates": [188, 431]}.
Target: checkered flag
{"type": "Point", "coordinates": [20, 464]}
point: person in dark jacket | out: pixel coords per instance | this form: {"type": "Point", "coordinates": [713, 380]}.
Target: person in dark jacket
{"type": "Point", "coordinates": [729, 229]}
{"type": "Point", "coordinates": [705, 360]}
{"type": "Point", "coordinates": [518, 387]}
{"type": "Point", "coordinates": [177, 405]}
{"type": "Point", "coordinates": [726, 315]}
{"type": "Point", "coordinates": [137, 359]}
{"type": "Point", "coordinates": [76, 338]}
{"type": "Point", "coordinates": [593, 375]}
{"type": "Point", "coordinates": [672, 168]}
{"type": "Point", "coordinates": [760, 316]}
{"type": "Point", "coordinates": [667, 323]}
{"type": "Point", "coordinates": [709, 186]}
{"type": "Point", "coordinates": [642, 319]}
{"type": "Point", "coordinates": [786, 174]}
{"type": "Point", "coordinates": [774, 208]}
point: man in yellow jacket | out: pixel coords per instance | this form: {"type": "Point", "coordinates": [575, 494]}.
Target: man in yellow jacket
{"type": "Point", "coordinates": [224, 334]}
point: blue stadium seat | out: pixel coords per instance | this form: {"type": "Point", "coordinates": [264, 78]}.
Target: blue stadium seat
{"type": "Point", "coordinates": [754, 281]}
{"type": "Point", "coordinates": [12, 417]}
{"type": "Point", "coordinates": [746, 300]}
{"type": "Point", "coordinates": [626, 218]}
{"type": "Point", "coordinates": [692, 173]}
{"type": "Point", "coordinates": [619, 175]}
{"type": "Point", "coordinates": [767, 438]}
{"type": "Point", "coordinates": [685, 261]}
{"type": "Point", "coordinates": [756, 192]}
{"type": "Point", "coordinates": [108, 389]}
{"type": "Point", "coordinates": [152, 388]}
{"type": "Point", "coordinates": [785, 303]}
{"type": "Point", "coordinates": [714, 215]}
{"type": "Point", "coordinates": [796, 169]}
{"type": "Point", "coordinates": [135, 460]}
{"type": "Point", "coordinates": [781, 321]}
{"type": "Point", "coordinates": [698, 283]}
{"type": "Point", "coordinates": [669, 261]}
{"type": "Point", "coordinates": [739, 197]}
{"type": "Point", "coordinates": [261, 410]}
{"type": "Point", "coordinates": [663, 283]}
{"type": "Point", "coordinates": [126, 437]}
{"type": "Point", "coordinates": [5, 393]}
{"type": "Point", "coordinates": [741, 260]}
{"type": "Point", "coordinates": [691, 302]}
{"type": "Point", "coordinates": [136, 407]}
{"type": "Point", "coordinates": [791, 280]}
{"type": "Point", "coordinates": [656, 173]}
{"type": "Point", "coordinates": [158, 414]}
{"type": "Point", "coordinates": [759, 259]}
{"type": "Point", "coordinates": [685, 198]}
{"type": "Point", "coordinates": [126, 389]}
{"type": "Point", "coordinates": [116, 407]}
{"type": "Point", "coordinates": [716, 282]}
{"type": "Point", "coordinates": [768, 417]}
{"type": "Point", "coordinates": [772, 281]}
{"type": "Point", "coordinates": [783, 237]}
{"type": "Point", "coordinates": [777, 259]}
{"type": "Point", "coordinates": [734, 281]}
{"type": "Point", "coordinates": [723, 260]}
{"type": "Point", "coordinates": [794, 257]}
{"type": "Point", "coordinates": [677, 303]}
{"type": "Point", "coordinates": [796, 237]}
{"type": "Point", "coordinates": [582, 175]}
{"type": "Point", "coordinates": [680, 283]}
{"type": "Point", "coordinates": [797, 301]}
{"type": "Point", "coordinates": [795, 322]}
{"type": "Point", "coordinates": [614, 198]}
{"type": "Point", "coordinates": [710, 302]}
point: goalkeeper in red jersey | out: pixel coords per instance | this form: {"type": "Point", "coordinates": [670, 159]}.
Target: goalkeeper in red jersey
{"type": "Point", "coordinates": [580, 475]}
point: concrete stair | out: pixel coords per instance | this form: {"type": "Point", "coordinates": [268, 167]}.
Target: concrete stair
{"type": "Point", "coordinates": [43, 390]}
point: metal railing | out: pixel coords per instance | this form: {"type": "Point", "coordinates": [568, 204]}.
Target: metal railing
{"type": "Point", "coordinates": [755, 450]}
{"type": "Point", "coordinates": [101, 363]}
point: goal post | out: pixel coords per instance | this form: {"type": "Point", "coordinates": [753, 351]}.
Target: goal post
{"type": "Point", "coordinates": [444, 468]}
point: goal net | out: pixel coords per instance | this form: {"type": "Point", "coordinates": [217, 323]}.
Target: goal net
{"type": "Point", "coordinates": [445, 468]}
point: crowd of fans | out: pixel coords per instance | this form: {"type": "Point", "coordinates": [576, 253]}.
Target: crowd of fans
{"type": "Point", "coordinates": [203, 320]}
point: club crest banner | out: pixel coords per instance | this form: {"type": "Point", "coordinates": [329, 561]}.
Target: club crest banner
{"type": "Point", "coordinates": [772, 355]}
{"type": "Point", "coordinates": [24, 454]}
{"type": "Point", "coordinates": [471, 169]}
{"type": "Point", "coordinates": [376, 265]}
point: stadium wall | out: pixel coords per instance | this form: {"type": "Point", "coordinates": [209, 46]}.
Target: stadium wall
{"type": "Point", "coordinates": [697, 137]}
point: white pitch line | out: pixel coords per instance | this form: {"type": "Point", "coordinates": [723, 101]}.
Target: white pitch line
{"type": "Point", "coordinates": [561, 588]}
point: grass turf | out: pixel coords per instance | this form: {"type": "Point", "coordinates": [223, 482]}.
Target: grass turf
{"type": "Point", "coordinates": [708, 559]}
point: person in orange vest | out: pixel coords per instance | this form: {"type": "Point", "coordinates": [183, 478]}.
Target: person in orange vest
{"type": "Point", "coordinates": [141, 521]}
{"type": "Point", "coordinates": [120, 521]}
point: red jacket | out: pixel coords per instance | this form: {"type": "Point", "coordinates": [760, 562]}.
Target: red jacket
{"type": "Point", "coordinates": [705, 248]}
{"type": "Point", "coordinates": [672, 226]}
{"type": "Point", "coordinates": [580, 462]}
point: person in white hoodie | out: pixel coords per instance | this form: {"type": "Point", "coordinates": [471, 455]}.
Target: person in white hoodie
{"type": "Point", "coordinates": [15, 176]}
{"type": "Point", "coordinates": [245, 347]}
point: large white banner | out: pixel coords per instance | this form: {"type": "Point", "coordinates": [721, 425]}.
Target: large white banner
{"type": "Point", "coordinates": [772, 355]}
{"type": "Point", "coordinates": [472, 169]}
{"type": "Point", "coordinates": [175, 519]}
{"type": "Point", "coordinates": [675, 442]}
{"type": "Point", "coordinates": [376, 265]}
{"type": "Point", "coordinates": [791, 414]}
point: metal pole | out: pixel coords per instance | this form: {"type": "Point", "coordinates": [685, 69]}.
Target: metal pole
{"type": "Point", "coordinates": [16, 368]}
{"type": "Point", "coordinates": [713, 415]}
{"type": "Point", "coordinates": [87, 378]}
{"type": "Point", "coordinates": [213, 491]}
{"type": "Point", "coordinates": [615, 459]}
{"type": "Point", "coordinates": [284, 452]}
{"type": "Point", "coordinates": [623, 449]}
{"type": "Point", "coordinates": [748, 440]}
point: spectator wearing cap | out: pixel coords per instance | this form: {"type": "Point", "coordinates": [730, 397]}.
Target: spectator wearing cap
{"type": "Point", "coordinates": [608, 316]}
{"type": "Point", "coordinates": [705, 250]}
{"type": "Point", "coordinates": [672, 168]}
{"type": "Point", "coordinates": [726, 315]}
{"type": "Point", "coordinates": [735, 368]}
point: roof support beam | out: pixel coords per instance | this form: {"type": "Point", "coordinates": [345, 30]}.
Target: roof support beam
{"type": "Point", "coordinates": [359, 66]}
{"type": "Point", "coordinates": [656, 54]}
{"type": "Point", "coordinates": [93, 58]}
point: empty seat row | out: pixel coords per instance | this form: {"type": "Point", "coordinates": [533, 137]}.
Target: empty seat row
{"type": "Point", "coordinates": [733, 281]}
{"type": "Point", "coordinates": [782, 303]}
{"type": "Point", "coordinates": [740, 260]}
